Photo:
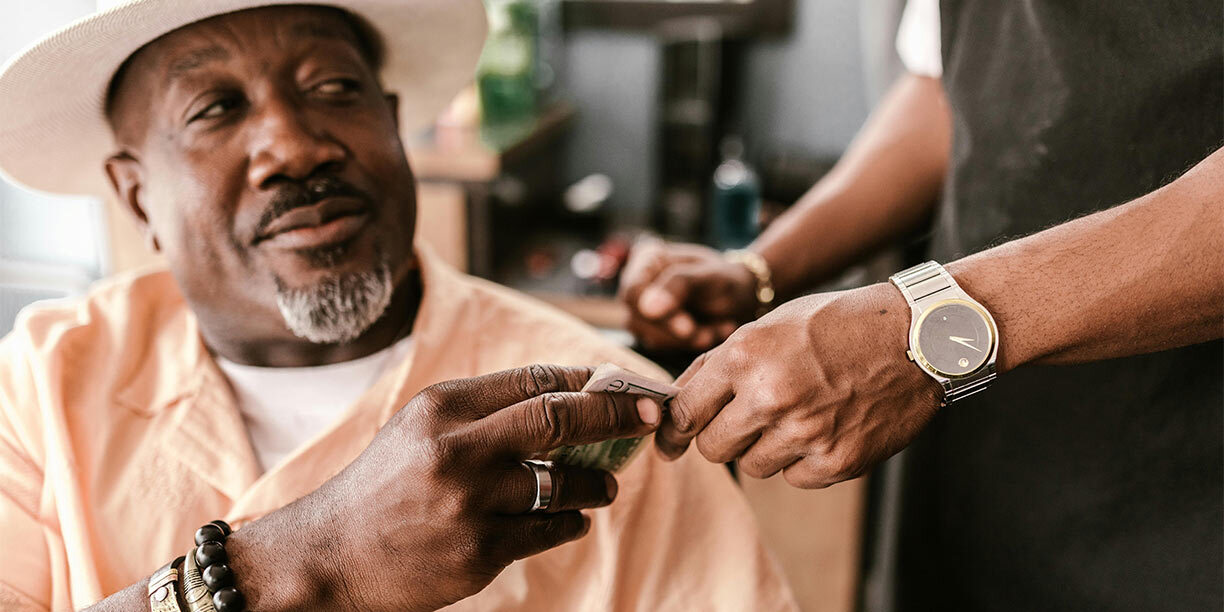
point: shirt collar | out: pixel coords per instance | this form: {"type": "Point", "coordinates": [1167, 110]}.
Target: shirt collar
{"type": "Point", "coordinates": [176, 379]}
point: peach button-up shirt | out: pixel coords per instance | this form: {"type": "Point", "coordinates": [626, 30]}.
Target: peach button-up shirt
{"type": "Point", "coordinates": [119, 436]}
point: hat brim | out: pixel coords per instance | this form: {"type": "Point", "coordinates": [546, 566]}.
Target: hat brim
{"type": "Point", "coordinates": [54, 136]}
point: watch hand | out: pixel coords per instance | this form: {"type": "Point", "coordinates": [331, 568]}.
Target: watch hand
{"type": "Point", "coordinates": [965, 342]}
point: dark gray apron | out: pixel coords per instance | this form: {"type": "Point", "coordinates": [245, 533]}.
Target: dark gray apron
{"type": "Point", "coordinates": [1093, 487]}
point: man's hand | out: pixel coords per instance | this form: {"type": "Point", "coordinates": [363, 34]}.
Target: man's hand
{"type": "Point", "coordinates": [819, 389]}
{"type": "Point", "coordinates": [685, 296]}
{"type": "Point", "coordinates": [437, 505]}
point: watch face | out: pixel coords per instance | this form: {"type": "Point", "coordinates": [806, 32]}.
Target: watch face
{"type": "Point", "coordinates": [954, 338]}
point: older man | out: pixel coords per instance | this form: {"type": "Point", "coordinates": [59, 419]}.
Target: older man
{"type": "Point", "coordinates": [259, 151]}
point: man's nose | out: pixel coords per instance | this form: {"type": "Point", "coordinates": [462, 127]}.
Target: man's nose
{"type": "Point", "coordinates": [287, 145]}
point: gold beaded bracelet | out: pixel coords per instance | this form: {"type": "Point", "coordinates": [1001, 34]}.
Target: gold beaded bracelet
{"type": "Point", "coordinates": [759, 268]}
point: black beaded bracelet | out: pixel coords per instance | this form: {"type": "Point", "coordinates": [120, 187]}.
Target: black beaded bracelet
{"type": "Point", "coordinates": [210, 555]}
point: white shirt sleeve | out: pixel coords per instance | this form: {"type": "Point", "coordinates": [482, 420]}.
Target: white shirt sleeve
{"type": "Point", "coordinates": [918, 38]}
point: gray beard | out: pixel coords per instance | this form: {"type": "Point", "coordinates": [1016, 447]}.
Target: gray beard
{"type": "Point", "coordinates": [338, 309]}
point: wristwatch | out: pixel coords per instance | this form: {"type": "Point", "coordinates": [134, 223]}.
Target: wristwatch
{"type": "Point", "coordinates": [952, 337]}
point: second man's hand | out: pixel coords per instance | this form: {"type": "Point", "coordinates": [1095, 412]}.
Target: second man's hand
{"type": "Point", "coordinates": [818, 389]}
{"type": "Point", "coordinates": [685, 296]}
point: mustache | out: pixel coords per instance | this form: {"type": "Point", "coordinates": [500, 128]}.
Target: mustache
{"type": "Point", "coordinates": [296, 194]}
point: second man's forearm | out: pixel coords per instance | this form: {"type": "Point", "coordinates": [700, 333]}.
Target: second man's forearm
{"type": "Point", "coordinates": [883, 187]}
{"type": "Point", "coordinates": [1143, 277]}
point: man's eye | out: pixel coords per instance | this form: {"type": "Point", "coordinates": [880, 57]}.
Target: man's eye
{"type": "Point", "coordinates": [337, 87]}
{"type": "Point", "coordinates": [216, 109]}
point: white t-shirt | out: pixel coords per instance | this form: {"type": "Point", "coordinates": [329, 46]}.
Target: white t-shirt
{"type": "Point", "coordinates": [918, 41]}
{"type": "Point", "coordinates": [284, 408]}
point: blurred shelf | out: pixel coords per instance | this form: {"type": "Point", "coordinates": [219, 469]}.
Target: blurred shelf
{"type": "Point", "coordinates": [482, 154]}
{"type": "Point", "coordinates": [752, 17]}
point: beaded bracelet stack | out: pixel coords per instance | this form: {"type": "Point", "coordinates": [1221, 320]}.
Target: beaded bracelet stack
{"type": "Point", "coordinates": [203, 577]}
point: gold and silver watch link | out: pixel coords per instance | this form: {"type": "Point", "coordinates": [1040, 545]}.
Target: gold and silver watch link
{"type": "Point", "coordinates": [952, 337]}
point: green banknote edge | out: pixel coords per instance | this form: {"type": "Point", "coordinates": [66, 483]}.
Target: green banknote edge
{"type": "Point", "coordinates": [610, 455]}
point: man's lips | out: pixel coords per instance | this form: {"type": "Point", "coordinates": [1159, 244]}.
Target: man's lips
{"type": "Point", "coordinates": [331, 221]}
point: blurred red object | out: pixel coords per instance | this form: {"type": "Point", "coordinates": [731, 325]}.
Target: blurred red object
{"type": "Point", "coordinates": [614, 252]}
{"type": "Point", "coordinates": [540, 262]}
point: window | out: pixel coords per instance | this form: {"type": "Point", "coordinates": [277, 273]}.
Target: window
{"type": "Point", "coordinates": [50, 246]}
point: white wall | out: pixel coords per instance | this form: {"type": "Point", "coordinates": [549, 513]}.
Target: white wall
{"type": "Point", "coordinates": [807, 92]}
{"type": "Point", "coordinates": [613, 79]}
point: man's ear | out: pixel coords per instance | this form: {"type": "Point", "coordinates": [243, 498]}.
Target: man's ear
{"type": "Point", "coordinates": [393, 106]}
{"type": "Point", "coordinates": [126, 178]}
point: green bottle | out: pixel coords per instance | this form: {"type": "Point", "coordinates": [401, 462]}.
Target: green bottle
{"type": "Point", "coordinates": [507, 72]}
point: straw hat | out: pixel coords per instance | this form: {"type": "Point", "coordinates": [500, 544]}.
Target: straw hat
{"type": "Point", "coordinates": [53, 133]}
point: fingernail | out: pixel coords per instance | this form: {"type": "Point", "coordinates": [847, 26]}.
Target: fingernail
{"type": "Point", "coordinates": [655, 302]}
{"type": "Point", "coordinates": [648, 410]}
{"type": "Point", "coordinates": [682, 325]}
{"type": "Point", "coordinates": [613, 487]}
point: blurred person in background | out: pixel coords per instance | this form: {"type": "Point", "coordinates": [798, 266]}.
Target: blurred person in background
{"type": "Point", "coordinates": [287, 372]}
{"type": "Point", "coordinates": [1069, 154]}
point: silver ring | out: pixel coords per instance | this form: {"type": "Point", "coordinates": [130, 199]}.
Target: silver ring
{"type": "Point", "coordinates": [544, 483]}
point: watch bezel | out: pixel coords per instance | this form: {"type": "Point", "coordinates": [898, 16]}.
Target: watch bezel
{"type": "Point", "coordinates": [916, 348]}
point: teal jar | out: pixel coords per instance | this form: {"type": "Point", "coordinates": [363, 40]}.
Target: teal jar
{"type": "Point", "coordinates": [735, 203]}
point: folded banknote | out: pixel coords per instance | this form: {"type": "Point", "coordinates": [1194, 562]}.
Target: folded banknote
{"type": "Point", "coordinates": [612, 455]}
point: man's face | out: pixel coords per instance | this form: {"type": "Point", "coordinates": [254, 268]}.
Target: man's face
{"type": "Point", "coordinates": [265, 157]}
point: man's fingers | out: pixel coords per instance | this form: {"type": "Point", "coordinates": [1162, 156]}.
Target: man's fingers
{"type": "Point", "coordinates": [682, 324]}
{"type": "Point", "coordinates": [482, 395]}
{"type": "Point", "coordinates": [646, 260]}
{"type": "Point", "coordinates": [770, 454]}
{"type": "Point", "coordinates": [656, 302]}
{"type": "Point", "coordinates": [730, 432]}
{"type": "Point", "coordinates": [703, 393]}
{"type": "Point", "coordinates": [649, 258]}
{"type": "Point", "coordinates": [658, 335]}
{"type": "Point", "coordinates": [667, 293]}
{"type": "Point", "coordinates": [532, 534]}
{"type": "Point", "coordinates": [810, 473]}
{"type": "Point", "coordinates": [573, 488]}
{"type": "Point", "coordinates": [653, 335]}
{"type": "Point", "coordinates": [543, 423]}
{"type": "Point", "coordinates": [669, 442]}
